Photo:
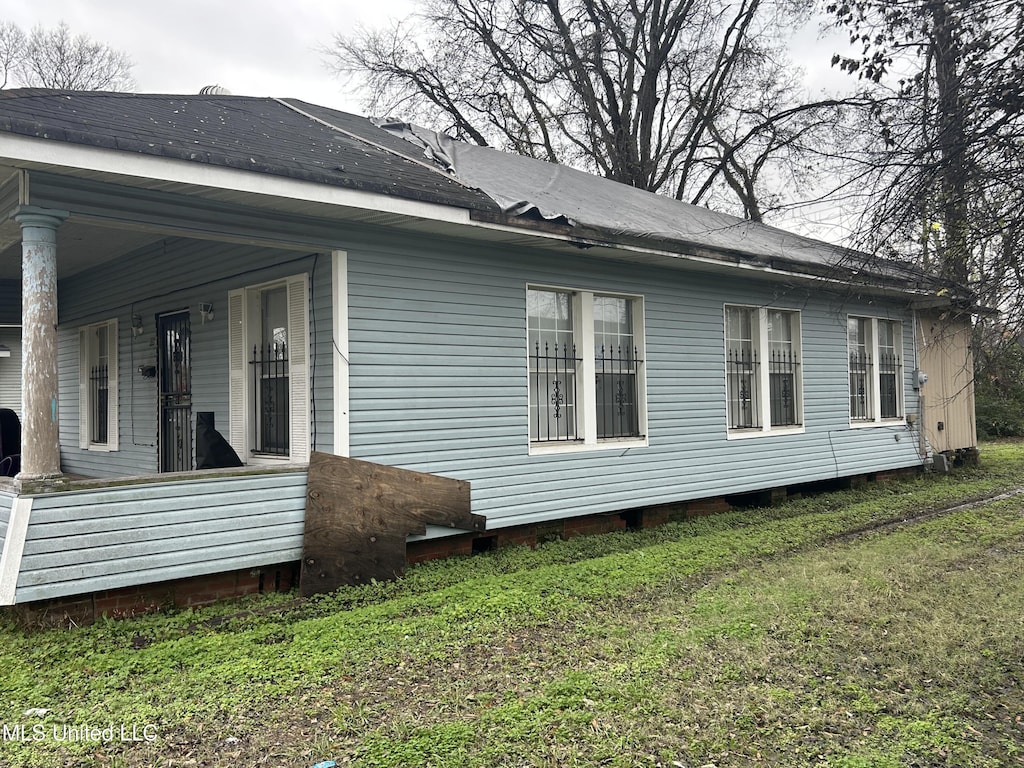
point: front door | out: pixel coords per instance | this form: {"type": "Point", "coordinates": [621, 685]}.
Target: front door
{"type": "Point", "coordinates": [175, 361]}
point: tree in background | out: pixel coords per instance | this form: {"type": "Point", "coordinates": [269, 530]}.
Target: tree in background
{"type": "Point", "coordinates": [54, 58]}
{"type": "Point", "coordinates": [947, 169]}
{"type": "Point", "coordinates": [689, 98]}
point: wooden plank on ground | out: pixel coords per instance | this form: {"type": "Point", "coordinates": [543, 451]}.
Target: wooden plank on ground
{"type": "Point", "coordinates": [358, 515]}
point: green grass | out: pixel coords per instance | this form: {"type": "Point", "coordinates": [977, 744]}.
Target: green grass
{"type": "Point", "coordinates": [771, 637]}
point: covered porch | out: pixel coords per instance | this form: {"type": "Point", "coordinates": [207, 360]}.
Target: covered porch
{"type": "Point", "coordinates": [143, 327]}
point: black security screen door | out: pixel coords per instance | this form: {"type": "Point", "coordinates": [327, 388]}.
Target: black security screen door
{"type": "Point", "coordinates": [175, 392]}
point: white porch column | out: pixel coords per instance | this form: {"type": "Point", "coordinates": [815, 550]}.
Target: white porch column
{"type": "Point", "coordinates": [40, 443]}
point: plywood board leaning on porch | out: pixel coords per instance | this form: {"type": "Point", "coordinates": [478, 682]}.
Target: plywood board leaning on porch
{"type": "Point", "coordinates": [358, 515]}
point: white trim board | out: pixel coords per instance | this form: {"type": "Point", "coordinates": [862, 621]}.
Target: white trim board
{"type": "Point", "coordinates": [14, 546]}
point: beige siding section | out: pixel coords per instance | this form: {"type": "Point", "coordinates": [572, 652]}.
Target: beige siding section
{"type": "Point", "coordinates": [948, 421]}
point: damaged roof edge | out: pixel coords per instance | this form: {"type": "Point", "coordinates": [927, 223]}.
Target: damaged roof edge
{"type": "Point", "coordinates": [589, 210]}
{"type": "Point", "coordinates": [852, 275]}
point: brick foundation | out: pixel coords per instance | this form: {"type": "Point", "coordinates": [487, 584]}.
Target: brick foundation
{"type": "Point", "coordinates": [146, 598]}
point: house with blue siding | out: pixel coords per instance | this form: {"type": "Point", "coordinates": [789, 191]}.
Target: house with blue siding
{"type": "Point", "coordinates": [213, 287]}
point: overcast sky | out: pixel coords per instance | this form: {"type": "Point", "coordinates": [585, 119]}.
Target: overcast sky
{"type": "Point", "coordinates": [270, 48]}
{"type": "Point", "coordinates": [259, 47]}
{"type": "Point", "coordinates": [250, 47]}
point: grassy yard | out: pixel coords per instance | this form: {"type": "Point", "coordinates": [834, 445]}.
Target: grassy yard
{"type": "Point", "coordinates": [847, 630]}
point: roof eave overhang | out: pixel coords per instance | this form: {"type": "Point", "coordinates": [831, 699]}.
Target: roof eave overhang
{"type": "Point", "coordinates": [695, 255]}
{"type": "Point", "coordinates": [149, 171]}
{"type": "Point", "coordinates": [154, 172]}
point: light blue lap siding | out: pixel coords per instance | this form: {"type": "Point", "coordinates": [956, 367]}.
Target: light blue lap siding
{"type": "Point", "coordinates": [439, 383]}
{"type": "Point", "coordinates": [6, 501]}
{"type": "Point", "coordinates": [85, 541]}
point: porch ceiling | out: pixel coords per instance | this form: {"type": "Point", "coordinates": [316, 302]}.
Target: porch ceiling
{"type": "Point", "coordinates": [80, 244]}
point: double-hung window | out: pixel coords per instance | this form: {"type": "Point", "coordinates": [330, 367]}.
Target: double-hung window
{"type": "Point", "coordinates": [586, 376]}
{"type": "Point", "coordinates": [268, 352]}
{"type": "Point", "coordinates": [762, 370]}
{"type": "Point", "coordinates": [876, 369]}
{"type": "Point", "coordinates": [97, 361]}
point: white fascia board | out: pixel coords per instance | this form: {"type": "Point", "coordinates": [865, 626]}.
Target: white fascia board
{"type": "Point", "coordinates": [19, 150]}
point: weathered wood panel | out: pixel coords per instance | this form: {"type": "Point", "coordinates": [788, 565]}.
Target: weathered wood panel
{"type": "Point", "coordinates": [359, 514]}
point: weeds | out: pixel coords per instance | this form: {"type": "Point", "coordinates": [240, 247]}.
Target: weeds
{"type": "Point", "coordinates": [758, 636]}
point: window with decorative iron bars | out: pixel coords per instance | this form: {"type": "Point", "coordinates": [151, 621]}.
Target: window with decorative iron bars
{"type": "Point", "coordinates": [616, 386]}
{"type": "Point", "coordinates": [762, 369]}
{"type": "Point", "coordinates": [553, 397]}
{"type": "Point", "coordinates": [742, 376]}
{"type": "Point", "coordinates": [876, 369]}
{"type": "Point", "coordinates": [270, 405]}
{"type": "Point", "coordinates": [268, 361]}
{"type": "Point", "coordinates": [585, 367]}
{"type": "Point", "coordinates": [860, 386]}
{"type": "Point", "coordinates": [98, 387]}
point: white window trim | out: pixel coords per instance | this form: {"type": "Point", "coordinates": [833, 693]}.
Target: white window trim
{"type": "Point", "coordinates": [764, 377]}
{"type": "Point", "coordinates": [242, 334]}
{"type": "Point", "coordinates": [583, 335]}
{"type": "Point", "coordinates": [85, 425]}
{"type": "Point", "coordinates": [876, 419]}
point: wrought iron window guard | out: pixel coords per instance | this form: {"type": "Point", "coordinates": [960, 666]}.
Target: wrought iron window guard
{"type": "Point", "coordinates": [270, 399]}
{"type": "Point", "coordinates": [741, 368]}
{"type": "Point", "coordinates": [889, 370]}
{"type": "Point", "coordinates": [618, 412]}
{"type": "Point", "coordinates": [98, 398]}
{"type": "Point", "coordinates": [860, 383]}
{"type": "Point", "coordinates": [553, 373]}
{"type": "Point", "coordinates": [783, 370]}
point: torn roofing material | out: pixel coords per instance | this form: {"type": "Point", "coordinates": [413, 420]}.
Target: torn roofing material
{"type": "Point", "coordinates": [262, 135]}
{"type": "Point", "coordinates": [530, 188]}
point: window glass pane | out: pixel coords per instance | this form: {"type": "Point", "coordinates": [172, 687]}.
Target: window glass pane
{"type": "Point", "coordinates": [274, 311]}
{"type": "Point", "coordinates": [888, 368]}
{"type": "Point", "coordinates": [886, 336]}
{"type": "Point", "coordinates": [742, 364]}
{"type": "Point", "coordinates": [549, 318]}
{"type": "Point", "coordinates": [615, 364]}
{"type": "Point", "coordinates": [780, 329]}
{"type": "Point", "coordinates": [739, 326]}
{"type": "Point", "coordinates": [270, 374]}
{"type": "Point", "coordinates": [860, 369]}
{"type": "Point", "coordinates": [783, 367]}
{"type": "Point", "coordinates": [553, 365]}
{"type": "Point", "coordinates": [99, 378]}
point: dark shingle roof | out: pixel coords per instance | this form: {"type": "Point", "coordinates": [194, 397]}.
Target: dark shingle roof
{"type": "Point", "coordinates": [293, 139]}
{"type": "Point", "coordinates": [256, 134]}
